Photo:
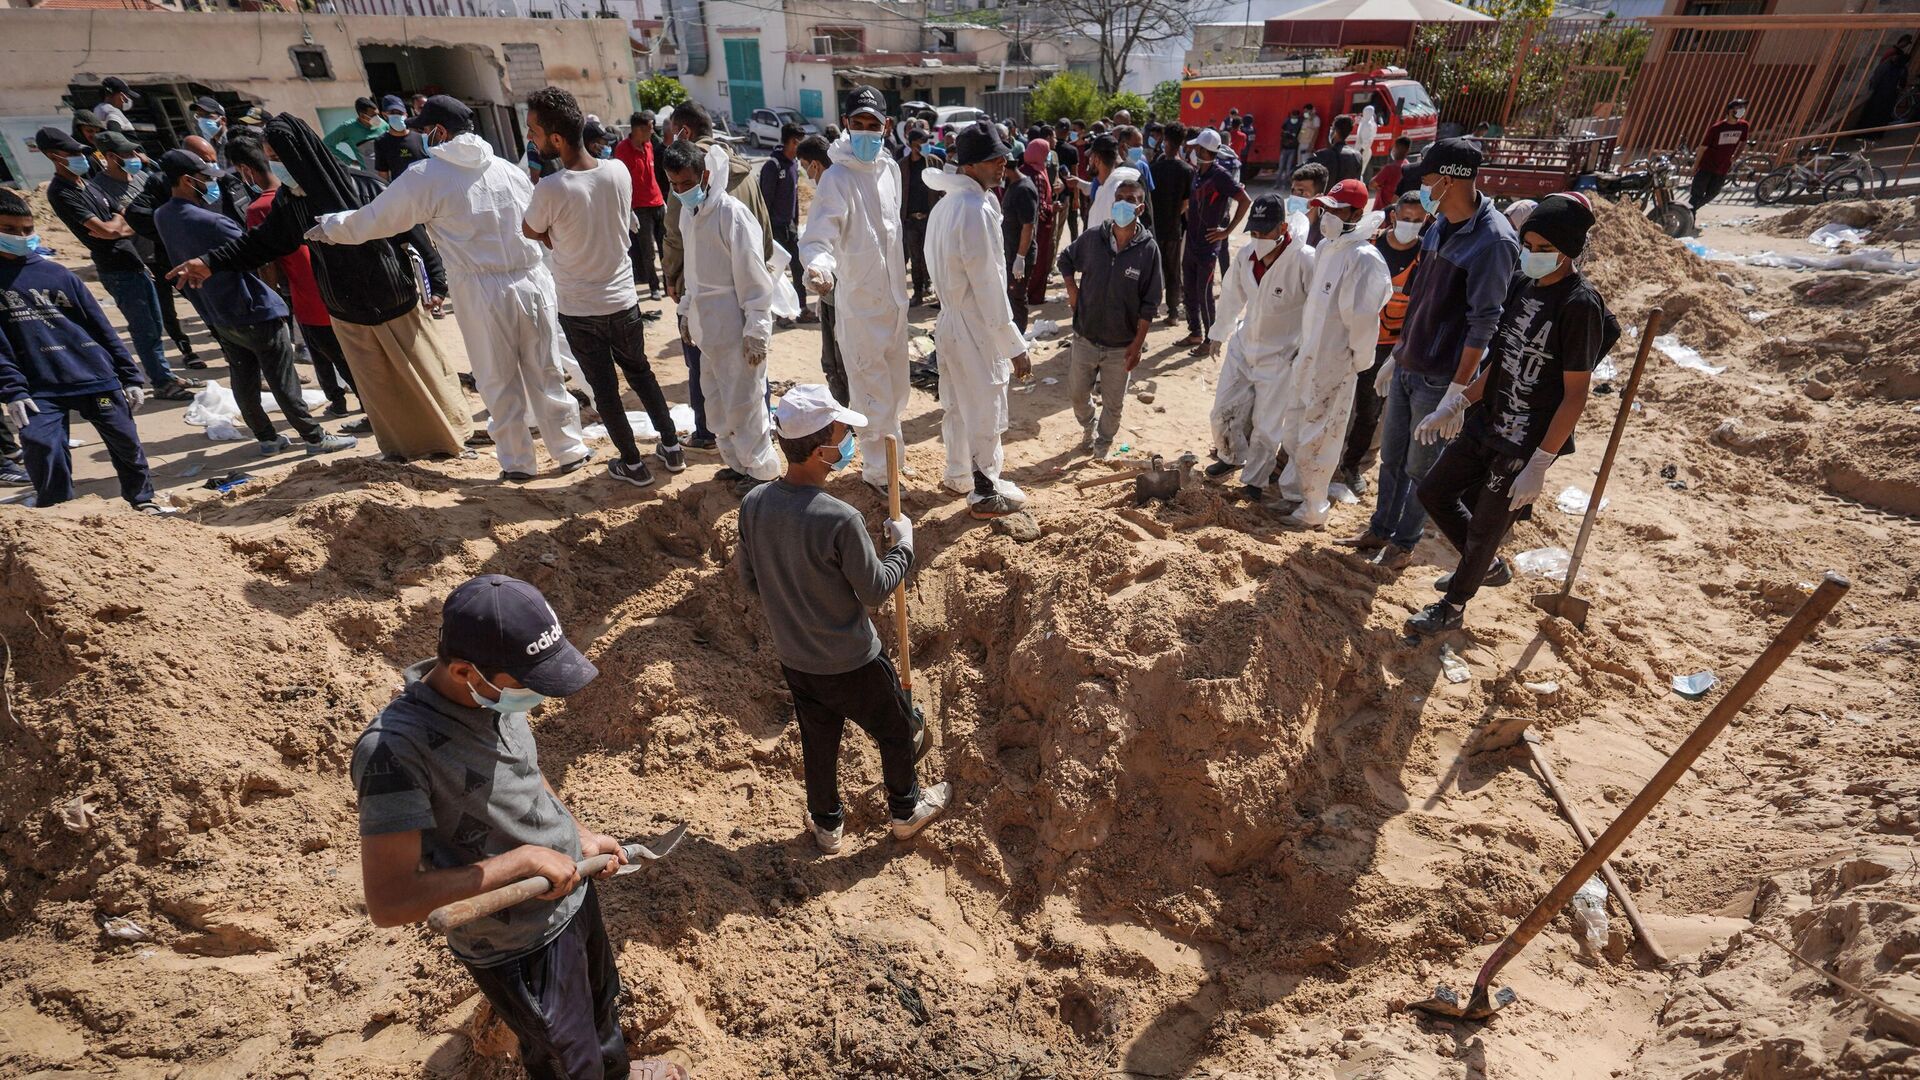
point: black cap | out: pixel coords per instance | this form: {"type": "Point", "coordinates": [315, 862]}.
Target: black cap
{"type": "Point", "coordinates": [1267, 213]}
{"type": "Point", "coordinates": [115, 142]}
{"type": "Point", "coordinates": [593, 132]}
{"type": "Point", "coordinates": [864, 99]}
{"type": "Point", "coordinates": [86, 119]}
{"type": "Point", "coordinates": [114, 84]}
{"type": "Point", "coordinates": [1562, 220]}
{"type": "Point", "coordinates": [498, 623]}
{"type": "Point", "coordinates": [51, 140]}
{"type": "Point", "coordinates": [209, 106]}
{"type": "Point", "coordinates": [443, 111]}
{"type": "Point", "coordinates": [918, 135]}
{"type": "Point", "coordinates": [1456, 158]}
{"type": "Point", "coordinates": [978, 143]}
{"type": "Point", "coordinates": [179, 163]}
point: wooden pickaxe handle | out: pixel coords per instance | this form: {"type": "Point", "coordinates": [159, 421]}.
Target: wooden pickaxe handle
{"type": "Point", "coordinates": [900, 590]}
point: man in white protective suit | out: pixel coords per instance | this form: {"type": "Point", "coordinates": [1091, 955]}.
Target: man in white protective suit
{"type": "Point", "coordinates": [472, 203]}
{"type": "Point", "coordinates": [728, 301]}
{"type": "Point", "coordinates": [979, 345]}
{"type": "Point", "coordinates": [852, 246]}
{"type": "Point", "coordinates": [1339, 327]}
{"type": "Point", "coordinates": [1262, 299]}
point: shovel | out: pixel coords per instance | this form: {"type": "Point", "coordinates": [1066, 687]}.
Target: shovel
{"type": "Point", "coordinates": [921, 744]}
{"type": "Point", "coordinates": [1484, 1002]}
{"type": "Point", "coordinates": [461, 912]}
{"type": "Point", "coordinates": [1564, 604]}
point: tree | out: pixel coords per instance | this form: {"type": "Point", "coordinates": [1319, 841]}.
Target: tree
{"type": "Point", "coordinates": [1067, 94]}
{"type": "Point", "coordinates": [1128, 100]}
{"type": "Point", "coordinates": [1164, 102]}
{"type": "Point", "coordinates": [659, 93]}
{"type": "Point", "coordinates": [1120, 27]}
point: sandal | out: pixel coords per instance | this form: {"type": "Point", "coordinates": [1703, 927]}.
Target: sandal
{"type": "Point", "coordinates": [177, 390]}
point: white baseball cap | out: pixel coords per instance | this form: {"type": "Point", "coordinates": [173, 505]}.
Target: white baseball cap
{"type": "Point", "coordinates": [1208, 140]}
{"type": "Point", "coordinates": [807, 408]}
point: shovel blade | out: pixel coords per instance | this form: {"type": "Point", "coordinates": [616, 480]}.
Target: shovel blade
{"type": "Point", "coordinates": [1563, 606]}
{"type": "Point", "coordinates": [658, 847]}
{"type": "Point", "coordinates": [1446, 1003]}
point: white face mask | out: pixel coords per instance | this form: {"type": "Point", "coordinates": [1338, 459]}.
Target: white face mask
{"type": "Point", "coordinates": [1264, 247]}
{"type": "Point", "coordinates": [1406, 231]}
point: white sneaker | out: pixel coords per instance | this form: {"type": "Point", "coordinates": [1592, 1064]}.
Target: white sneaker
{"type": "Point", "coordinates": [932, 801]}
{"type": "Point", "coordinates": [827, 840]}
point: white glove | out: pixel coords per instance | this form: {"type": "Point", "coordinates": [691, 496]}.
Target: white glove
{"type": "Point", "coordinates": [819, 282]}
{"type": "Point", "coordinates": [1528, 482]}
{"type": "Point", "coordinates": [1020, 266]}
{"type": "Point", "coordinates": [1384, 379]}
{"type": "Point", "coordinates": [756, 349]}
{"type": "Point", "coordinates": [315, 235]}
{"type": "Point", "coordinates": [18, 411]}
{"type": "Point", "coordinates": [134, 396]}
{"type": "Point", "coordinates": [898, 531]}
{"type": "Point", "coordinates": [1446, 419]}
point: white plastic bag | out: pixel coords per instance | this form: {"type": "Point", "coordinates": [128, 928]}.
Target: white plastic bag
{"type": "Point", "coordinates": [1833, 234]}
{"type": "Point", "coordinates": [215, 409]}
{"type": "Point", "coordinates": [786, 302]}
{"type": "Point", "coordinates": [1684, 356]}
{"type": "Point", "coordinates": [1546, 562]}
{"type": "Point", "coordinates": [1590, 915]}
{"type": "Point", "coordinates": [1573, 500]}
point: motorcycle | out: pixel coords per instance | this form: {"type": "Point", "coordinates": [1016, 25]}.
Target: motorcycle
{"type": "Point", "coordinates": [1650, 183]}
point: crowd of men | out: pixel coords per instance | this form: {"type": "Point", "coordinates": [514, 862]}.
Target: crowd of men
{"type": "Point", "coordinates": [1413, 308]}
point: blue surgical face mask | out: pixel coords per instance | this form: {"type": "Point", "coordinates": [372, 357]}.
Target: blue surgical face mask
{"type": "Point", "coordinates": [1124, 213]}
{"type": "Point", "coordinates": [605, 152]}
{"type": "Point", "coordinates": [396, 123]}
{"type": "Point", "coordinates": [286, 178]}
{"type": "Point", "coordinates": [209, 127]}
{"type": "Point", "coordinates": [866, 145]}
{"type": "Point", "coordinates": [1296, 204]}
{"type": "Point", "coordinates": [517, 700]}
{"type": "Point", "coordinates": [1137, 156]}
{"type": "Point", "coordinates": [1428, 200]}
{"type": "Point", "coordinates": [79, 164]}
{"type": "Point", "coordinates": [846, 452]}
{"type": "Point", "coordinates": [211, 193]}
{"type": "Point", "coordinates": [693, 196]}
{"type": "Point", "coordinates": [19, 246]}
{"type": "Point", "coordinates": [1538, 264]}
{"type": "Point", "coordinates": [133, 165]}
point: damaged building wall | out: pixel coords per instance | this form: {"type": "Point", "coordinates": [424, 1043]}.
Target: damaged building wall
{"type": "Point", "coordinates": [254, 56]}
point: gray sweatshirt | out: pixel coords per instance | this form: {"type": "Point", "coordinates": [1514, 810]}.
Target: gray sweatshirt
{"type": "Point", "coordinates": [807, 555]}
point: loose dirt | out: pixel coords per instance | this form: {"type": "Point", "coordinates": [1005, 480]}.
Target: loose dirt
{"type": "Point", "coordinates": [1214, 813]}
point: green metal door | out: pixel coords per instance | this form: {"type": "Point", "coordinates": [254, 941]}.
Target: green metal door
{"type": "Point", "coordinates": [743, 79]}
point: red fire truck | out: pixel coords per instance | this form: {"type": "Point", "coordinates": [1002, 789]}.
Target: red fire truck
{"type": "Point", "coordinates": [1269, 91]}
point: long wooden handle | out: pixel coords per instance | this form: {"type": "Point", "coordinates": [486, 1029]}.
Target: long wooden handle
{"type": "Point", "coordinates": [900, 590]}
{"type": "Point", "coordinates": [461, 912]}
{"type": "Point", "coordinates": [1613, 446]}
{"type": "Point", "coordinates": [1831, 589]}
{"type": "Point", "coordinates": [1585, 837]}
{"type": "Point", "coordinates": [1125, 474]}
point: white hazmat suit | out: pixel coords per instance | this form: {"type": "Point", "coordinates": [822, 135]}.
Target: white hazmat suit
{"type": "Point", "coordinates": [1364, 133]}
{"type": "Point", "coordinates": [1101, 211]}
{"type": "Point", "coordinates": [1340, 327]}
{"type": "Point", "coordinates": [975, 335]}
{"type": "Point", "coordinates": [729, 301]}
{"type": "Point", "coordinates": [1260, 322]}
{"type": "Point", "coordinates": [472, 204]}
{"type": "Point", "coordinates": [853, 241]}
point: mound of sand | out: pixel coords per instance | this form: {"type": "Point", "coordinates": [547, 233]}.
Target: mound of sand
{"type": "Point", "coordinates": [1637, 268]}
{"type": "Point", "coordinates": [1878, 215]}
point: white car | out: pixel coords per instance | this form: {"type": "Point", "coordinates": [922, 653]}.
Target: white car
{"type": "Point", "coordinates": [763, 125]}
{"type": "Point", "coordinates": [958, 115]}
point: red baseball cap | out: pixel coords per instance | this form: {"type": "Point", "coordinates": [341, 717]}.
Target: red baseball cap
{"type": "Point", "coordinates": [1347, 194]}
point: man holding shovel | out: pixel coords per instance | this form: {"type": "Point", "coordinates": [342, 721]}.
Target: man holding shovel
{"type": "Point", "coordinates": [452, 805]}
{"type": "Point", "coordinates": [807, 556]}
{"type": "Point", "coordinates": [1522, 409]}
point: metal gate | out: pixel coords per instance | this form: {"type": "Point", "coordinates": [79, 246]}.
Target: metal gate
{"type": "Point", "coordinates": [745, 92]}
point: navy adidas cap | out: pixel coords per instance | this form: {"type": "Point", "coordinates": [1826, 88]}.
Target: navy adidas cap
{"type": "Point", "coordinates": [498, 623]}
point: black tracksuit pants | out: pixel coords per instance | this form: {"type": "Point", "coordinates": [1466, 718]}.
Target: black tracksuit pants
{"type": "Point", "coordinates": [1466, 495]}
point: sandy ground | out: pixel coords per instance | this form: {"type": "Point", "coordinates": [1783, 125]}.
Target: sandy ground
{"type": "Point", "coordinates": [1216, 815]}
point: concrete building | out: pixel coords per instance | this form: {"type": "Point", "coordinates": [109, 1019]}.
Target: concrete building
{"type": "Point", "coordinates": [735, 56]}
{"type": "Point", "coordinates": [313, 66]}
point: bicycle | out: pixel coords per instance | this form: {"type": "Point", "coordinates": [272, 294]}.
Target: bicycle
{"type": "Point", "coordinates": [1851, 178]}
{"type": "Point", "coordinates": [1815, 171]}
